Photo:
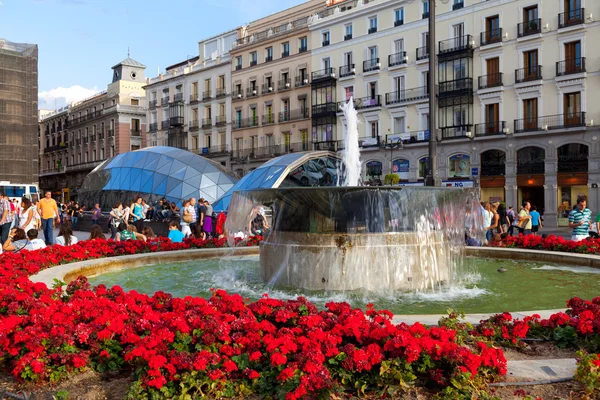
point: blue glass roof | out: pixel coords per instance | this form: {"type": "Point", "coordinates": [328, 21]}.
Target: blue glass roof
{"type": "Point", "coordinates": [270, 175]}
{"type": "Point", "coordinates": [156, 172]}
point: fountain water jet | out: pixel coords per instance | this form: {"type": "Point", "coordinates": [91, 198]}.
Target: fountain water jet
{"type": "Point", "coordinates": [351, 153]}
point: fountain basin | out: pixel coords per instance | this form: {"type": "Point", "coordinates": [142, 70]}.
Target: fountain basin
{"type": "Point", "coordinates": [350, 261]}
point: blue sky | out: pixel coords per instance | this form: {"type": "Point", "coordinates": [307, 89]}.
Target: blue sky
{"type": "Point", "coordinates": [80, 40]}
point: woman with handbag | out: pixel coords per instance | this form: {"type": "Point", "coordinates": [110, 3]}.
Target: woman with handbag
{"type": "Point", "coordinates": [116, 219]}
{"type": "Point", "coordinates": [187, 218]}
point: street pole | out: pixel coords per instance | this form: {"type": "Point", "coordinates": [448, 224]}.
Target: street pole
{"type": "Point", "coordinates": [432, 177]}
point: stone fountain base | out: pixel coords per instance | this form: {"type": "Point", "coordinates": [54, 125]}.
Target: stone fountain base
{"type": "Point", "coordinates": [404, 261]}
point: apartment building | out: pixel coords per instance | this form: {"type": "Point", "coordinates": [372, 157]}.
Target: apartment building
{"type": "Point", "coordinates": [76, 139]}
{"type": "Point", "coordinates": [513, 83]}
{"type": "Point", "coordinates": [189, 105]}
{"type": "Point", "coordinates": [271, 87]}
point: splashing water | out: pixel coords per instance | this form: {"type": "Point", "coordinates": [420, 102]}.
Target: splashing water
{"type": "Point", "coordinates": [351, 154]}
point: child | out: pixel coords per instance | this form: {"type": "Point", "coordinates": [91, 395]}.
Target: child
{"type": "Point", "coordinates": [175, 234]}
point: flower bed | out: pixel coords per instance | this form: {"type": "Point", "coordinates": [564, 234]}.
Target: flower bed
{"type": "Point", "coordinates": [550, 243]}
{"type": "Point", "coordinates": [222, 346]}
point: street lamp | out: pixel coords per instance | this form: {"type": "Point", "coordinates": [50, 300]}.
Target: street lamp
{"type": "Point", "coordinates": [432, 177]}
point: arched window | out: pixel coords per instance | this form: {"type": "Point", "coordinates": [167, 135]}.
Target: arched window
{"type": "Point", "coordinates": [423, 162]}
{"type": "Point", "coordinates": [531, 160]}
{"type": "Point", "coordinates": [493, 163]}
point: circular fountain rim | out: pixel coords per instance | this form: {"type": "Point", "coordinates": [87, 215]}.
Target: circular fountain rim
{"type": "Point", "coordinates": [69, 272]}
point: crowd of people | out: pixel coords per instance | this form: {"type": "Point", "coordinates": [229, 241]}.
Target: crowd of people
{"type": "Point", "coordinates": [21, 222]}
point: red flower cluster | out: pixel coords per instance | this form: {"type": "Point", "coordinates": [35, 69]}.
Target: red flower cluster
{"type": "Point", "coordinates": [584, 316]}
{"type": "Point", "coordinates": [224, 345]}
{"type": "Point", "coordinates": [550, 243]}
{"type": "Point", "coordinates": [501, 328]}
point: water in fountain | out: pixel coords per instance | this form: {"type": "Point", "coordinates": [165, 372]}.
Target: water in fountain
{"type": "Point", "coordinates": [351, 153]}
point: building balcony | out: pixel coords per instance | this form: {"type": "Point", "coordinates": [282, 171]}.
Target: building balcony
{"type": "Point", "coordinates": [178, 98]}
{"type": "Point", "coordinates": [397, 59]}
{"type": "Point", "coordinates": [206, 123]}
{"type": "Point", "coordinates": [221, 120]}
{"type": "Point", "coordinates": [347, 36]}
{"type": "Point", "coordinates": [302, 49]}
{"type": "Point", "coordinates": [58, 147]}
{"type": "Point", "coordinates": [490, 128]}
{"type": "Point", "coordinates": [194, 125]}
{"type": "Point", "coordinates": [251, 122]}
{"type": "Point", "coordinates": [325, 43]}
{"type": "Point", "coordinates": [285, 54]}
{"type": "Point", "coordinates": [404, 96]}
{"type": "Point", "coordinates": [323, 75]}
{"type": "Point", "coordinates": [347, 70]}
{"type": "Point", "coordinates": [221, 92]}
{"type": "Point", "coordinates": [215, 151]}
{"type": "Point", "coordinates": [456, 87]}
{"type": "Point", "coordinates": [569, 67]}
{"type": "Point", "coordinates": [252, 91]}
{"type": "Point", "coordinates": [371, 65]}
{"type": "Point", "coordinates": [491, 37]}
{"type": "Point", "coordinates": [207, 95]}
{"type": "Point", "coordinates": [324, 110]}
{"type": "Point", "coordinates": [490, 81]}
{"type": "Point", "coordinates": [550, 122]}
{"type": "Point", "coordinates": [268, 88]}
{"type": "Point", "coordinates": [363, 103]}
{"type": "Point", "coordinates": [458, 5]}
{"type": "Point", "coordinates": [372, 30]}
{"type": "Point", "coordinates": [134, 132]}
{"type": "Point", "coordinates": [329, 145]}
{"type": "Point", "coordinates": [284, 84]}
{"type": "Point", "coordinates": [238, 67]}
{"type": "Point", "coordinates": [164, 102]}
{"type": "Point", "coordinates": [237, 94]}
{"type": "Point", "coordinates": [165, 125]}
{"type": "Point", "coordinates": [529, 27]}
{"type": "Point", "coordinates": [175, 121]}
{"type": "Point", "coordinates": [456, 132]}
{"type": "Point", "coordinates": [533, 73]}
{"type": "Point", "coordinates": [194, 98]}
{"type": "Point", "coordinates": [425, 15]}
{"type": "Point", "coordinates": [571, 18]}
{"type": "Point", "coordinates": [253, 63]}
{"type": "Point", "coordinates": [398, 22]}
{"type": "Point", "coordinates": [301, 81]}
{"type": "Point", "coordinates": [268, 59]}
{"type": "Point", "coordinates": [422, 53]}
{"type": "Point", "coordinates": [460, 43]}
{"type": "Point", "coordinates": [268, 119]}
{"type": "Point", "coordinates": [293, 115]}
{"type": "Point", "coordinates": [152, 104]}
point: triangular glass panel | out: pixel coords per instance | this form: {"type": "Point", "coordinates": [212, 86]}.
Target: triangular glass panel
{"type": "Point", "coordinates": [188, 191]}
{"type": "Point", "coordinates": [190, 172]}
{"type": "Point", "coordinates": [224, 178]}
{"type": "Point", "coordinates": [213, 176]}
{"type": "Point", "coordinates": [206, 181]}
{"type": "Point", "coordinates": [194, 181]}
{"type": "Point", "coordinates": [171, 183]}
{"type": "Point", "coordinates": [146, 187]}
{"type": "Point", "coordinates": [164, 160]}
{"type": "Point", "coordinates": [142, 161]}
{"type": "Point", "coordinates": [165, 168]}
{"type": "Point", "coordinates": [152, 161]}
{"type": "Point", "coordinates": [161, 189]}
{"type": "Point", "coordinates": [180, 174]}
{"type": "Point", "coordinates": [124, 183]}
{"type": "Point", "coordinates": [175, 191]}
{"type": "Point", "coordinates": [211, 193]}
{"type": "Point", "coordinates": [158, 179]}
{"type": "Point", "coordinates": [176, 166]}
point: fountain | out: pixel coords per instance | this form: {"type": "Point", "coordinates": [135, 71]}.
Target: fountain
{"type": "Point", "coordinates": [346, 238]}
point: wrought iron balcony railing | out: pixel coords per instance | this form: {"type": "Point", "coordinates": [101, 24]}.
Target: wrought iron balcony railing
{"type": "Point", "coordinates": [550, 122]}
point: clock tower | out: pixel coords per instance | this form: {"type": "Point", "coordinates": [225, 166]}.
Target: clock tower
{"type": "Point", "coordinates": [129, 70]}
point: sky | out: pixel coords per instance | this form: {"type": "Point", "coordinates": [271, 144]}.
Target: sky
{"type": "Point", "coordinates": [80, 40]}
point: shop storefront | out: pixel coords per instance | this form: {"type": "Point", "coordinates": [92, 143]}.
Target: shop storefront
{"type": "Point", "coordinates": [492, 178]}
{"type": "Point", "coordinates": [572, 178]}
{"type": "Point", "coordinates": [531, 165]}
{"type": "Point", "coordinates": [401, 168]}
{"type": "Point", "coordinates": [459, 171]}
{"type": "Point", "coordinates": [373, 172]}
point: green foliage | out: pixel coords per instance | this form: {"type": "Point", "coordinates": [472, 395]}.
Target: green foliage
{"type": "Point", "coordinates": [454, 321]}
{"type": "Point", "coordinates": [391, 179]}
{"type": "Point", "coordinates": [588, 372]}
{"type": "Point", "coordinates": [61, 395]}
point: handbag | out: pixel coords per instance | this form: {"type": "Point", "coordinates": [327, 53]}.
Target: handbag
{"type": "Point", "coordinates": [187, 217]}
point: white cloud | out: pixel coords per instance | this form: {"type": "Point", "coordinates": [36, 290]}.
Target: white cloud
{"type": "Point", "coordinates": [60, 96]}
{"type": "Point", "coordinates": [1, 3]}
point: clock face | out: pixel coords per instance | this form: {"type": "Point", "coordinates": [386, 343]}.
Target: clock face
{"type": "Point", "coordinates": [133, 75]}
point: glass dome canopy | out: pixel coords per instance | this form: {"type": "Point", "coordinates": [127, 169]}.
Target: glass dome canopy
{"type": "Point", "coordinates": [154, 173]}
{"type": "Point", "coordinates": [305, 169]}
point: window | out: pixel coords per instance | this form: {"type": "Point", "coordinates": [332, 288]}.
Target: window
{"type": "Point", "coordinates": [195, 89]}
{"type": "Point", "coordinates": [459, 166]}
{"type": "Point", "coordinates": [398, 16]}
{"type": "Point", "coordinates": [326, 63]}
{"type": "Point", "coordinates": [238, 62]}
{"type": "Point", "coordinates": [269, 56]}
{"type": "Point", "coordinates": [326, 38]}
{"type": "Point", "coordinates": [372, 53]}
{"type": "Point", "coordinates": [491, 118]}
{"type": "Point", "coordinates": [572, 108]}
{"type": "Point", "coordinates": [135, 102]}
{"type": "Point", "coordinates": [303, 44]}
{"type": "Point", "coordinates": [398, 46]}
{"type": "Point", "coordinates": [573, 61]}
{"type": "Point", "coordinates": [348, 34]}
{"type": "Point", "coordinates": [285, 48]}
{"type": "Point", "coordinates": [423, 166]}
{"type": "Point", "coordinates": [399, 125]}
{"type": "Point", "coordinates": [492, 30]}
{"type": "Point", "coordinates": [399, 86]}
{"type": "Point", "coordinates": [530, 64]}
{"type": "Point", "coordinates": [348, 59]}
{"type": "Point", "coordinates": [530, 113]}
{"type": "Point", "coordinates": [530, 14]}
{"type": "Point", "coordinates": [349, 92]}
{"type": "Point", "coordinates": [372, 25]}
{"type": "Point", "coordinates": [456, 4]}
{"type": "Point", "coordinates": [374, 129]}
{"type": "Point", "coordinates": [373, 90]}
{"type": "Point", "coordinates": [425, 9]}
{"type": "Point", "coordinates": [253, 58]}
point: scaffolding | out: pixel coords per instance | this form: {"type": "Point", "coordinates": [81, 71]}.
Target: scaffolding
{"type": "Point", "coordinates": [19, 147]}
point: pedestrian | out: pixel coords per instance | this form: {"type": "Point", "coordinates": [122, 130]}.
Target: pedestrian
{"type": "Point", "coordinates": [96, 214]}
{"type": "Point", "coordinates": [6, 219]}
{"type": "Point", "coordinates": [510, 220]}
{"type": "Point", "coordinates": [194, 214]}
{"type": "Point", "coordinates": [536, 220]}
{"type": "Point", "coordinates": [502, 226]}
{"type": "Point", "coordinates": [149, 233]}
{"type": "Point", "coordinates": [487, 220]}
{"type": "Point", "coordinates": [96, 233]}
{"type": "Point", "coordinates": [187, 218]}
{"type": "Point", "coordinates": [175, 235]}
{"type": "Point", "coordinates": [580, 219]}
{"type": "Point", "coordinates": [116, 219]}
{"type": "Point", "coordinates": [137, 213]}
{"type": "Point", "coordinates": [27, 220]}
{"type": "Point", "coordinates": [75, 213]}
{"type": "Point", "coordinates": [208, 220]}
{"type": "Point", "coordinates": [65, 235]}
{"type": "Point", "coordinates": [525, 219]}
{"type": "Point", "coordinates": [147, 211]}
{"type": "Point", "coordinates": [48, 212]}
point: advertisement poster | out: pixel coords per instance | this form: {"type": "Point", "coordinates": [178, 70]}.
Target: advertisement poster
{"type": "Point", "coordinates": [460, 166]}
{"type": "Point", "coordinates": [401, 168]}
